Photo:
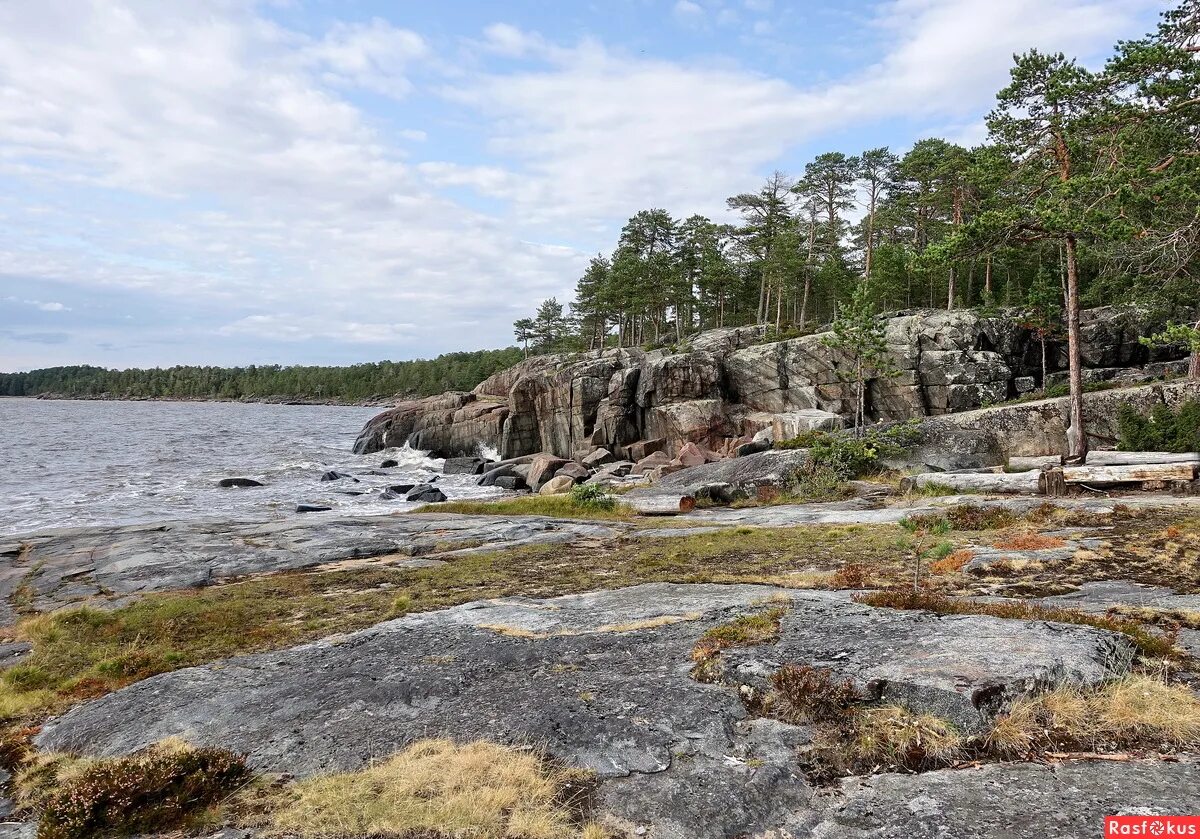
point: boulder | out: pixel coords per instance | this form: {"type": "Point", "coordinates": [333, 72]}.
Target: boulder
{"type": "Point", "coordinates": [744, 474]}
{"type": "Point", "coordinates": [238, 482]}
{"type": "Point", "coordinates": [597, 458]}
{"type": "Point", "coordinates": [542, 468]}
{"type": "Point", "coordinates": [692, 455]}
{"type": "Point", "coordinates": [756, 446]}
{"type": "Point", "coordinates": [650, 461]}
{"type": "Point", "coordinates": [333, 475]}
{"type": "Point", "coordinates": [618, 469]}
{"type": "Point", "coordinates": [490, 477]}
{"type": "Point", "coordinates": [559, 485]}
{"type": "Point", "coordinates": [511, 482]}
{"type": "Point", "coordinates": [574, 471]}
{"type": "Point", "coordinates": [794, 423]}
{"type": "Point", "coordinates": [644, 448]}
{"type": "Point", "coordinates": [425, 494]}
{"type": "Point", "coordinates": [464, 466]}
{"type": "Point", "coordinates": [389, 464]}
{"type": "Point", "coordinates": [312, 508]}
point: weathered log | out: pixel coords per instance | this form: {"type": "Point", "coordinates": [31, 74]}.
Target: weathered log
{"type": "Point", "coordinates": [1140, 458]}
{"type": "Point", "coordinates": [1051, 483]}
{"type": "Point", "coordinates": [660, 504]}
{"type": "Point", "coordinates": [1039, 463]}
{"type": "Point", "coordinates": [1000, 482]}
{"type": "Point", "coordinates": [1129, 474]}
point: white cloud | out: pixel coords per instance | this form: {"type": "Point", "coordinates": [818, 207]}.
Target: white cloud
{"type": "Point", "coordinates": [374, 56]}
{"type": "Point", "coordinates": [50, 306]}
{"type": "Point", "coordinates": [596, 134]}
{"type": "Point", "coordinates": [688, 10]}
{"type": "Point", "coordinates": [220, 157]}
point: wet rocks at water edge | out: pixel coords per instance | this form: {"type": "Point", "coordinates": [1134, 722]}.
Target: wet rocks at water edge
{"type": "Point", "coordinates": [334, 475]}
{"type": "Point", "coordinates": [312, 508]}
{"type": "Point", "coordinates": [464, 465]}
{"type": "Point", "coordinates": [426, 494]}
{"type": "Point", "coordinates": [226, 483]}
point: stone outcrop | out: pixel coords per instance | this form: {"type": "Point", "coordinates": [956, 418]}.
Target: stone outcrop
{"type": "Point", "coordinates": [97, 564]}
{"type": "Point", "coordinates": [1040, 427]}
{"type": "Point", "coordinates": [723, 387]}
{"type": "Point", "coordinates": [601, 681]}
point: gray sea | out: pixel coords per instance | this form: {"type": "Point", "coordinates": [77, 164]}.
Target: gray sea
{"type": "Point", "coordinates": [68, 463]}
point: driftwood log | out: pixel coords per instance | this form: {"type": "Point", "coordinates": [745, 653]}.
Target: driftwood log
{"type": "Point", "coordinates": [1026, 464]}
{"type": "Point", "coordinates": [1025, 483]}
{"type": "Point", "coordinates": [1132, 474]}
{"type": "Point", "coordinates": [660, 504]}
{"type": "Point", "coordinates": [1140, 458]}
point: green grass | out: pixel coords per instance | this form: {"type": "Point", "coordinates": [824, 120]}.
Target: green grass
{"type": "Point", "coordinates": [555, 506]}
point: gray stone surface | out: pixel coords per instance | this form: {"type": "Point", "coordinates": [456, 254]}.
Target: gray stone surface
{"type": "Point", "coordinates": [600, 680]}
{"type": "Point", "coordinates": [1002, 801]}
{"type": "Point", "coordinates": [1102, 595]}
{"type": "Point", "coordinates": [744, 474]}
{"type": "Point", "coordinates": [93, 563]}
{"type": "Point", "coordinates": [563, 404]}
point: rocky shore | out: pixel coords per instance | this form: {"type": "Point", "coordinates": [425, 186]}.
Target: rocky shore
{"type": "Point", "coordinates": [726, 388]}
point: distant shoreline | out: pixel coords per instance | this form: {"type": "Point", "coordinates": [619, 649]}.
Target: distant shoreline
{"type": "Point", "coordinates": [248, 400]}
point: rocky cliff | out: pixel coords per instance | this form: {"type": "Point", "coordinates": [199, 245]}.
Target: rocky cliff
{"type": "Point", "coordinates": [720, 388]}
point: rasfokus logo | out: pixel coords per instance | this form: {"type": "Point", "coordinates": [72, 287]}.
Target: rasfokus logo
{"type": "Point", "coordinates": [1152, 826]}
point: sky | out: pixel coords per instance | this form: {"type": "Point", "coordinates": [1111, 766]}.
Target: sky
{"type": "Point", "coordinates": [318, 182]}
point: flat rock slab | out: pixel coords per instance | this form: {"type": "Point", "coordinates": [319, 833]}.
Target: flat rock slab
{"type": "Point", "coordinates": [1004, 801]}
{"type": "Point", "coordinates": [1102, 595]}
{"type": "Point", "coordinates": [601, 680]}
{"type": "Point", "coordinates": [75, 565]}
{"type": "Point", "coordinates": [963, 668]}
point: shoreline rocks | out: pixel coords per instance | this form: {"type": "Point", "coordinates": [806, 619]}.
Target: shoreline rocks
{"type": "Point", "coordinates": [723, 388]}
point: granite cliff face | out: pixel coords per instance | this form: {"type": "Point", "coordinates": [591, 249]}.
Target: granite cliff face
{"type": "Point", "coordinates": [721, 387]}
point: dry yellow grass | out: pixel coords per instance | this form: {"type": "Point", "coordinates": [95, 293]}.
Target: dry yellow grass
{"type": "Point", "coordinates": [477, 790]}
{"type": "Point", "coordinates": [1138, 711]}
{"type": "Point", "coordinates": [894, 736]}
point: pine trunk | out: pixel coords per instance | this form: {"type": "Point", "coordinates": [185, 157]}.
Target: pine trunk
{"type": "Point", "coordinates": [1079, 442]}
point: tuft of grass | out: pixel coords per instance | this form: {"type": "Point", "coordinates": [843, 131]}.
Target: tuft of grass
{"type": "Point", "coordinates": [476, 790]}
{"type": "Point", "coordinates": [892, 737]}
{"type": "Point", "coordinates": [1136, 712]}
{"type": "Point", "coordinates": [160, 789]}
{"type": "Point", "coordinates": [1029, 542]}
{"type": "Point", "coordinates": [1147, 642]}
{"type": "Point", "coordinates": [566, 506]}
{"type": "Point", "coordinates": [744, 631]}
{"type": "Point", "coordinates": [805, 694]}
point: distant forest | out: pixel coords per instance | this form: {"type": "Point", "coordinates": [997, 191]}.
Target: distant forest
{"type": "Point", "coordinates": [1088, 188]}
{"type": "Point", "coordinates": [358, 382]}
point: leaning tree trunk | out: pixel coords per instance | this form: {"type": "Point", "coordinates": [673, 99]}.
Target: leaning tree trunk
{"type": "Point", "coordinates": [1194, 367]}
{"type": "Point", "coordinates": [1078, 439]}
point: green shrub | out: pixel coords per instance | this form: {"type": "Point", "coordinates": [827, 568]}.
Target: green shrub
{"type": "Point", "coordinates": [804, 440]}
{"type": "Point", "coordinates": [155, 791]}
{"type": "Point", "coordinates": [1164, 430]}
{"type": "Point", "coordinates": [593, 497]}
{"type": "Point", "coordinates": [817, 482]}
{"type": "Point", "coordinates": [852, 457]}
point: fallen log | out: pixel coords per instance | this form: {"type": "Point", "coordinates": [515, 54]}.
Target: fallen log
{"type": "Point", "coordinates": [1129, 474]}
{"type": "Point", "coordinates": [1025, 483]}
{"type": "Point", "coordinates": [660, 504]}
{"type": "Point", "coordinates": [1140, 458]}
{"type": "Point", "coordinates": [1040, 463]}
